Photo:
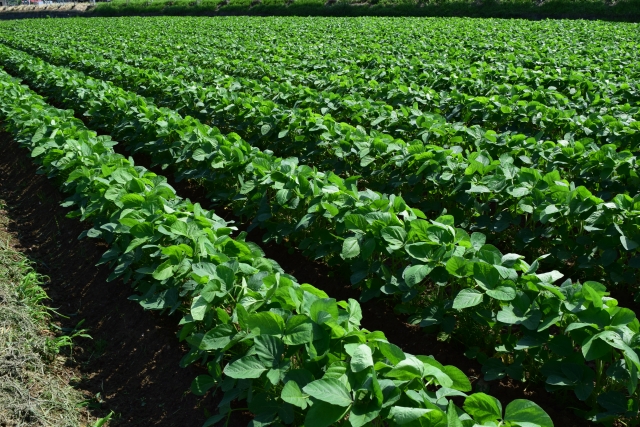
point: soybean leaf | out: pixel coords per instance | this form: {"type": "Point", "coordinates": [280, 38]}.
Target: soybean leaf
{"type": "Point", "coordinates": [467, 298]}
{"type": "Point", "coordinates": [391, 352]}
{"type": "Point", "coordinates": [525, 413]}
{"type": "Point", "coordinates": [269, 349]}
{"type": "Point", "coordinates": [460, 380]}
{"type": "Point", "coordinates": [329, 390]}
{"type": "Point", "coordinates": [416, 273]}
{"type": "Point", "coordinates": [292, 394]}
{"type": "Point", "coordinates": [350, 248]}
{"type": "Point", "coordinates": [299, 330]}
{"type": "Point", "coordinates": [323, 414]}
{"type": "Point", "coordinates": [246, 367]}
{"type": "Point", "coordinates": [486, 275]}
{"type": "Point", "coordinates": [403, 415]}
{"type": "Point", "coordinates": [361, 358]}
{"type": "Point", "coordinates": [483, 408]}
{"type": "Point", "coordinates": [201, 384]}
{"type": "Point", "coordinates": [267, 323]}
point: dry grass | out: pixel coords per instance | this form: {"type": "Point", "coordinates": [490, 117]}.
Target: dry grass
{"type": "Point", "coordinates": [34, 386]}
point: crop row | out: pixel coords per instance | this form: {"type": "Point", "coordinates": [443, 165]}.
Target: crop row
{"type": "Point", "coordinates": [433, 53]}
{"type": "Point", "coordinates": [476, 284]}
{"type": "Point", "coordinates": [409, 110]}
{"type": "Point", "coordinates": [400, 47]}
{"type": "Point", "coordinates": [360, 58]}
{"type": "Point", "coordinates": [499, 190]}
{"type": "Point", "coordinates": [288, 349]}
{"type": "Point", "coordinates": [347, 149]}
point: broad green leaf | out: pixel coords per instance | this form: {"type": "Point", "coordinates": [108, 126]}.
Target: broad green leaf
{"type": "Point", "coordinates": [132, 200]}
{"type": "Point", "coordinates": [267, 323]}
{"type": "Point", "coordinates": [163, 271]}
{"type": "Point", "coordinates": [363, 413]}
{"type": "Point", "coordinates": [433, 368]}
{"type": "Point", "coordinates": [421, 251]}
{"type": "Point", "coordinates": [391, 352]}
{"type": "Point", "coordinates": [395, 236]}
{"type": "Point", "coordinates": [453, 420]}
{"type": "Point", "coordinates": [292, 394]}
{"type": "Point", "coordinates": [502, 293]}
{"type": "Point", "coordinates": [323, 414]}
{"type": "Point", "coordinates": [416, 273]}
{"type": "Point", "coordinates": [144, 229]}
{"type": "Point", "coordinates": [525, 413]}
{"type": "Point", "coordinates": [355, 313]}
{"type": "Point", "coordinates": [350, 248]}
{"type": "Point", "coordinates": [594, 348]}
{"type": "Point", "coordinates": [329, 390]}
{"type": "Point", "coordinates": [627, 243]}
{"type": "Point", "coordinates": [269, 349]}
{"type": "Point", "coordinates": [486, 275]}
{"type": "Point", "coordinates": [135, 186]}
{"type": "Point", "coordinates": [361, 358]}
{"type": "Point", "coordinates": [246, 367]}
{"type": "Point", "coordinates": [356, 222]}
{"type": "Point", "coordinates": [478, 240]}
{"type": "Point", "coordinates": [283, 196]}
{"type": "Point", "coordinates": [407, 369]}
{"type": "Point", "coordinates": [467, 298]}
{"type": "Point", "coordinates": [460, 380]}
{"type": "Point", "coordinates": [622, 317]}
{"type": "Point", "coordinates": [214, 420]}
{"type": "Point", "coordinates": [218, 337]}
{"type": "Point", "coordinates": [592, 295]}
{"type": "Point", "coordinates": [324, 309]}
{"type": "Point", "coordinates": [613, 401]}
{"type": "Point", "coordinates": [483, 408]}
{"type": "Point", "coordinates": [403, 415]}
{"type": "Point", "coordinates": [299, 330]}
{"type": "Point", "coordinates": [201, 384]}
{"type": "Point", "coordinates": [459, 267]}
{"type": "Point", "coordinates": [199, 308]}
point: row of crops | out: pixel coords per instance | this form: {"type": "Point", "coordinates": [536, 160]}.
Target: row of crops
{"type": "Point", "coordinates": [620, 10]}
{"type": "Point", "coordinates": [223, 4]}
{"type": "Point", "coordinates": [245, 4]}
{"type": "Point", "coordinates": [480, 174]}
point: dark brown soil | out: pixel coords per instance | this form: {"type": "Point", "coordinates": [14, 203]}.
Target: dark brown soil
{"type": "Point", "coordinates": [137, 373]}
{"type": "Point", "coordinates": [131, 365]}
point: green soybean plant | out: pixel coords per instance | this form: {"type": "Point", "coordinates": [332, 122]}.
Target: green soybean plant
{"type": "Point", "coordinates": [286, 348]}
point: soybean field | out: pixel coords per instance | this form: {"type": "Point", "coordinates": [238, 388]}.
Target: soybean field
{"type": "Point", "coordinates": [479, 175]}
